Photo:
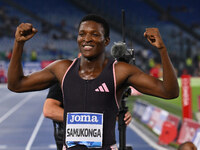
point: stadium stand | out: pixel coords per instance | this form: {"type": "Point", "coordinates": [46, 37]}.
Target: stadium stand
{"type": "Point", "coordinates": [58, 25]}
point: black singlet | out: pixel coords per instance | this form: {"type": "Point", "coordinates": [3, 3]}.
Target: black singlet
{"type": "Point", "coordinates": [96, 95]}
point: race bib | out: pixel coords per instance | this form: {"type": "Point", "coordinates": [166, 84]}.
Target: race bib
{"type": "Point", "coordinates": [84, 128]}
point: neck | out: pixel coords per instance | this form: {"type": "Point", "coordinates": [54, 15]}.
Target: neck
{"type": "Point", "coordinates": [87, 63]}
{"type": "Point", "coordinates": [91, 68]}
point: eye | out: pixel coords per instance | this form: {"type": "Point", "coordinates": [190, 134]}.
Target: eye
{"type": "Point", "coordinates": [95, 34]}
{"type": "Point", "coordinates": [81, 34]}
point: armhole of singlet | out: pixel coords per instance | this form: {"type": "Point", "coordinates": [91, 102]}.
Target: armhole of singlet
{"type": "Point", "coordinates": [115, 85]}
{"type": "Point", "coordinates": [65, 75]}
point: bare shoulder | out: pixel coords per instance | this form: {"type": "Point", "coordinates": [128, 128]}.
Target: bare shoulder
{"type": "Point", "coordinates": [125, 68]}
{"type": "Point", "coordinates": [59, 67]}
{"type": "Point", "coordinates": [120, 65]}
{"type": "Point", "coordinates": [124, 71]}
{"type": "Point", "coordinates": [60, 63]}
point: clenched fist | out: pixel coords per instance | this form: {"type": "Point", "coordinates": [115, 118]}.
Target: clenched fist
{"type": "Point", "coordinates": [24, 32]}
{"type": "Point", "coordinates": [154, 37]}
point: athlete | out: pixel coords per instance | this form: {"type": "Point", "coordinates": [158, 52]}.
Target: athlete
{"type": "Point", "coordinates": [93, 84]}
{"type": "Point", "coordinates": [53, 109]}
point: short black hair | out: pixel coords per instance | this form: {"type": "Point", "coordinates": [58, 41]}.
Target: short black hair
{"type": "Point", "coordinates": [98, 19]}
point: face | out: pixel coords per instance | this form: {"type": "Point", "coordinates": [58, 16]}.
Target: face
{"type": "Point", "coordinates": [91, 39]}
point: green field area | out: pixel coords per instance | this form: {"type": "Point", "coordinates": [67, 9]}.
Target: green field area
{"type": "Point", "coordinates": [173, 106]}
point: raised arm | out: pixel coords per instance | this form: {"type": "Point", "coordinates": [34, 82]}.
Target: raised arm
{"type": "Point", "coordinates": [16, 80]}
{"type": "Point", "coordinates": [168, 88]}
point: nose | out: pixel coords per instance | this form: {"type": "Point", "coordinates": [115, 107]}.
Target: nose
{"type": "Point", "coordinates": [88, 38]}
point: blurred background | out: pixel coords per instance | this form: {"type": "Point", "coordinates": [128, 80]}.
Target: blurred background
{"type": "Point", "coordinates": [57, 23]}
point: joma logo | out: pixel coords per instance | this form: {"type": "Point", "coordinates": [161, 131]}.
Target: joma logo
{"type": "Point", "coordinates": [83, 118]}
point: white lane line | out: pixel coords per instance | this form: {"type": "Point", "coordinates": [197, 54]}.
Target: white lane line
{"type": "Point", "coordinates": [3, 85]}
{"type": "Point", "coordinates": [52, 146]}
{"type": "Point", "coordinates": [35, 131]}
{"type": "Point", "coordinates": [3, 146]}
{"type": "Point", "coordinates": [6, 97]}
{"type": "Point", "coordinates": [146, 138]}
{"type": "Point", "coordinates": [16, 107]}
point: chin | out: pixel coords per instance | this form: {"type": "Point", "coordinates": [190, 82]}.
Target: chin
{"type": "Point", "coordinates": [89, 57]}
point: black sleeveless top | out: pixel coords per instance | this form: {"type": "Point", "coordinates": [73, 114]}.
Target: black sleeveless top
{"type": "Point", "coordinates": [96, 95]}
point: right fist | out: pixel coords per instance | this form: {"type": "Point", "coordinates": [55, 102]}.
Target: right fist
{"type": "Point", "coordinates": [24, 32]}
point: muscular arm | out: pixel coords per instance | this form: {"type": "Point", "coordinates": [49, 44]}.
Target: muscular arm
{"type": "Point", "coordinates": [15, 71]}
{"type": "Point", "coordinates": [17, 82]}
{"type": "Point", "coordinates": [53, 110]}
{"type": "Point", "coordinates": [168, 88]}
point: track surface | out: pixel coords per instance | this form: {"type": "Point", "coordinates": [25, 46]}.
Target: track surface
{"type": "Point", "coordinates": [23, 126]}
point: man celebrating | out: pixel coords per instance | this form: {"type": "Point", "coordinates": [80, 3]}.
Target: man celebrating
{"type": "Point", "coordinates": [53, 109]}
{"type": "Point", "coordinates": [93, 84]}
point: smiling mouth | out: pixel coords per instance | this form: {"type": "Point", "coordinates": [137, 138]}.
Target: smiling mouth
{"type": "Point", "coordinates": [87, 47]}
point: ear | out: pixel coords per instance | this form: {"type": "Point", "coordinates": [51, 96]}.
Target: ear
{"type": "Point", "coordinates": [107, 41]}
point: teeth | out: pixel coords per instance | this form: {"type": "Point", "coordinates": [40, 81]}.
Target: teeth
{"type": "Point", "coordinates": [87, 46]}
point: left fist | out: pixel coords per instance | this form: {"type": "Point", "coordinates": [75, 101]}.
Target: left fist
{"type": "Point", "coordinates": [154, 37]}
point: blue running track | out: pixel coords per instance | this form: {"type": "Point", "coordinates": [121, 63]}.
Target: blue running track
{"type": "Point", "coordinates": [23, 127]}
